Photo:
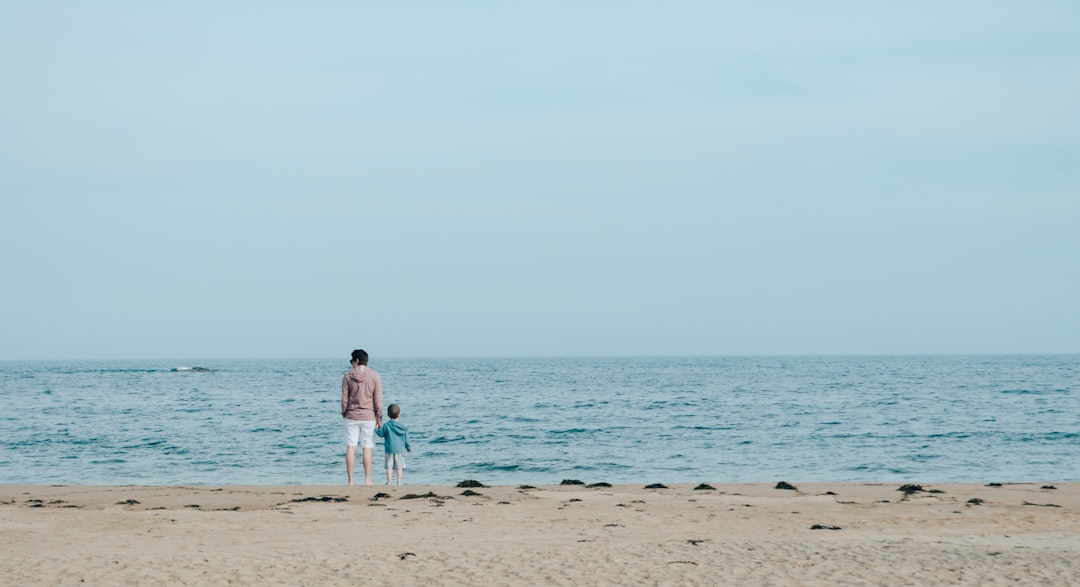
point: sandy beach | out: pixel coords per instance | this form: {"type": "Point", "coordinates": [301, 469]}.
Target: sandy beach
{"type": "Point", "coordinates": [682, 534]}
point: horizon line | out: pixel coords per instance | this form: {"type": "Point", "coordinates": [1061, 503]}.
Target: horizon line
{"type": "Point", "coordinates": [558, 357]}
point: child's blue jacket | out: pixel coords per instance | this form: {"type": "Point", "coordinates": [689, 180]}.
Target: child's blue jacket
{"type": "Point", "coordinates": [396, 435]}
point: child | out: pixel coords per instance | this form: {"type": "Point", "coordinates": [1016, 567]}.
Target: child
{"type": "Point", "coordinates": [397, 443]}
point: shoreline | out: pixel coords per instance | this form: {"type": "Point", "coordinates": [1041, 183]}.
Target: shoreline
{"type": "Point", "coordinates": [734, 533]}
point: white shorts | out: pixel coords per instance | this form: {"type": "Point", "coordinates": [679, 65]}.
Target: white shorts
{"type": "Point", "coordinates": [360, 431]}
{"type": "Point", "coordinates": [395, 460]}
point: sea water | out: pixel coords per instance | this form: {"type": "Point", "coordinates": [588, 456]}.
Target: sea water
{"type": "Point", "coordinates": [539, 421]}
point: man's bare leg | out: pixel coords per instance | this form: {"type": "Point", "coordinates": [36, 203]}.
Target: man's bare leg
{"type": "Point", "coordinates": [367, 467]}
{"type": "Point", "coordinates": [350, 461]}
{"type": "Point", "coordinates": [400, 474]}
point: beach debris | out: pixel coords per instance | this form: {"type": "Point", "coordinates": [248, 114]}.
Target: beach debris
{"type": "Point", "coordinates": [682, 563]}
{"type": "Point", "coordinates": [381, 495]}
{"type": "Point", "coordinates": [976, 501]}
{"type": "Point", "coordinates": [993, 484]}
{"type": "Point", "coordinates": [406, 555]}
{"type": "Point", "coordinates": [656, 486]}
{"type": "Point", "coordinates": [324, 498]}
{"type": "Point", "coordinates": [573, 499]}
{"type": "Point", "coordinates": [600, 484]}
{"type": "Point", "coordinates": [785, 485]}
{"type": "Point", "coordinates": [470, 493]}
{"type": "Point", "coordinates": [696, 542]}
{"type": "Point", "coordinates": [128, 502]}
{"type": "Point", "coordinates": [910, 488]}
{"type": "Point", "coordinates": [1043, 505]}
{"type": "Point", "coordinates": [415, 496]}
{"type": "Point", "coordinates": [704, 487]}
{"type": "Point", "coordinates": [193, 505]}
{"type": "Point", "coordinates": [526, 487]}
{"type": "Point", "coordinates": [471, 483]}
{"type": "Point", "coordinates": [503, 503]}
{"type": "Point", "coordinates": [1048, 487]}
{"type": "Point", "coordinates": [824, 527]}
{"type": "Point", "coordinates": [571, 482]}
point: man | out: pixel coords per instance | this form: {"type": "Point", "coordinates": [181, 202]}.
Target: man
{"type": "Point", "coordinates": [361, 407]}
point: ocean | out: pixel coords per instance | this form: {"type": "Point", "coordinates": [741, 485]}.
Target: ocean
{"type": "Point", "coordinates": [540, 421]}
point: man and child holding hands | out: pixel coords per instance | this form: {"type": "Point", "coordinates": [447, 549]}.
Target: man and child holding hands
{"type": "Point", "coordinates": [361, 407]}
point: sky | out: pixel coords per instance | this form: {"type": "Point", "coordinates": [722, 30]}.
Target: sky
{"type": "Point", "coordinates": [538, 179]}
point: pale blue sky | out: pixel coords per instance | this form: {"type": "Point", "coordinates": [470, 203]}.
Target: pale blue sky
{"type": "Point", "coordinates": [287, 179]}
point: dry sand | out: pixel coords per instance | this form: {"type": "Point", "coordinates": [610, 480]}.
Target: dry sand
{"type": "Point", "coordinates": [735, 534]}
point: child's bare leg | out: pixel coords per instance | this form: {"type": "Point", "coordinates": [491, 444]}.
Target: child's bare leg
{"type": "Point", "coordinates": [400, 474]}
{"type": "Point", "coordinates": [388, 476]}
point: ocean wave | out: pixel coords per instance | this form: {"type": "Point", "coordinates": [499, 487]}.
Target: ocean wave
{"type": "Point", "coordinates": [1034, 391]}
{"type": "Point", "coordinates": [501, 468]}
{"type": "Point", "coordinates": [445, 439]}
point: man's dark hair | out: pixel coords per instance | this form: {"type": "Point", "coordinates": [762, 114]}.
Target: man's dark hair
{"type": "Point", "coordinates": [360, 355]}
{"type": "Point", "coordinates": [393, 411]}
